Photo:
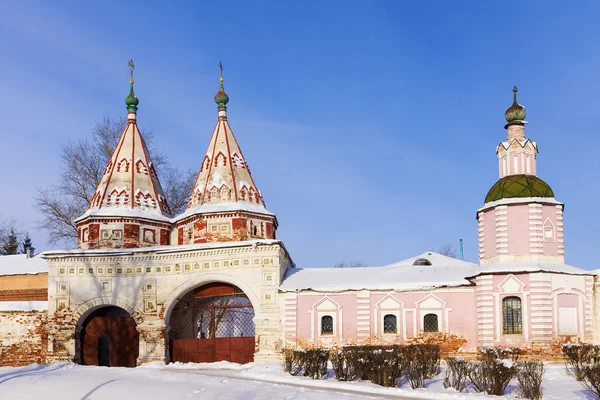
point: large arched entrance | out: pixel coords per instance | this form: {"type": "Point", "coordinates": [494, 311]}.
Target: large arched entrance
{"type": "Point", "coordinates": [109, 338]}
{"type": "Point", "coordinates": [214, 322]}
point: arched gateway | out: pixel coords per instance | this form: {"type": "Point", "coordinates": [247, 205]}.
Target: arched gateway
{"type": "Point", "coordinates": [214, 322]}
{"type": "Point", "coordinates": [109, 338]}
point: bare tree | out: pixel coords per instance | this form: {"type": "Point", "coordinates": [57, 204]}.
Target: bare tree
{"type": "Point", "coordinates": [82, 165]}
{"type": "Point", "coordinates": [447, 250]}
{"type": "Point", "coordinates": [351, 264]}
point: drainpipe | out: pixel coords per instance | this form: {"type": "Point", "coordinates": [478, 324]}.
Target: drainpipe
{"type": "Point", "coordinates": [462, 256]}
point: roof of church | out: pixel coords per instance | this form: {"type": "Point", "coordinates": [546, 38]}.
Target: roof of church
{"type": "Point", "coordinates": [129, 186]}
{"type": "Point", "coordinates": [224, 182]}
{"type": "Point", "coordinates": [411, 274]}
{"type": "Point", "coordinates": [518, 186]}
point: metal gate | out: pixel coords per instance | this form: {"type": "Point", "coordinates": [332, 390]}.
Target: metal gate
{"type": "Point", "coordinates": [110, 338]}
{"type": "Point", "coordinates": [213, 323]}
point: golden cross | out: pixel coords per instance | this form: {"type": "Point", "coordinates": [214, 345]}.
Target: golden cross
{"type": "Point", "coordinates": [131, 68]}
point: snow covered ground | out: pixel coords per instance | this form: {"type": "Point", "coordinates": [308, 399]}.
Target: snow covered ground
{"type": "Point", "coordinates": [223, 380]}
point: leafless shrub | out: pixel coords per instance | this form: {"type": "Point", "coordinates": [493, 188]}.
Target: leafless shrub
{"type": "Point", "coordinates": [312, 362]}
{"type": "Point", "coordinates": [422, 362]}
{"type": "Point", "coordinates": [591, 378]}
{"type": "Point", "coordinates": [457, 372]}
{"type": "Point", "coordinates": [343, 364]}
{"type": "Point", "coordinates": [494, 370]}
{"type": "Point", "coordinates": [579, 355]}
{"type": "Point", "coordinates": [530, 374]}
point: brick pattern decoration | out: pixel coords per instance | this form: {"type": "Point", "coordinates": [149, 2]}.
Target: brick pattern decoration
{"type": "Point", "coordinates": [363, 310]}
{"type": "Point", "coordinates": [23, 338]}
{"type": "Point", "coordinates": [541, 309]}
{"type": "Point", "coordinates": [485, 310]}
{"type": "Point", "coordinates": [24, 295]}
{"type": "Point", "coordinates": [290, 316]}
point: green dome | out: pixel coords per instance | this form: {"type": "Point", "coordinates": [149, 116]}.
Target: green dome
{"type": "Point", "coordinates": [221, 97]}
{"type": "Point", "coordinates": [515, 114]}
{"type": "Point", "coordinates": [513, 186]}
{"type": "Point", "coordinates": [131, 101]}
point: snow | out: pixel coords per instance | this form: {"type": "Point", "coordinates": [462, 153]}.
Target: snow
{"type": "Point", "coordinates": [161, 249]}
{"type": "Point", "coordinates": [224, 206]}
{"type": "Point", "coordinates": [23, 305]}
{"type": "Point", "coordinates": [517, 200]}
{"type": "Point", "coordinates": [222, 380]}
{"type": "Point", "coordinates": [124, 211]}
{"type": "Point", "coordinates": [19, 264]}
{"type": "Point", "coordinates": [404, 276]}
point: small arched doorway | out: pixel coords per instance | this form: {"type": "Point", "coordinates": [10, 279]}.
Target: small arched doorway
{"type": "Point", "coordinates": [109, 338]}
{"type": "Point", "coordinates": [214, 322]}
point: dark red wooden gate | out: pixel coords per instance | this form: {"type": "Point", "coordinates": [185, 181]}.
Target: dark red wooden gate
{"type": "Point", "coordinates": [117, 336]}
{"type": "Point", "coordinates": [238, 350]}
{"type": "Point", "coordinates": [213, 323]}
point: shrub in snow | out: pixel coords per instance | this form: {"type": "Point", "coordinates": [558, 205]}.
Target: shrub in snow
{"type": "Point", "coordinates": [312, 362]}
{"type": "Point", "coordinates": [591, 378]}
{"type": "Point", "coordinates": [381, 365]}
{"type": "Point", "coordinates": [457, 371]}
{"type": "Point", "coordinates": [422, 362]}
{"type": "Point", "coordinates": [530, 375]}
{"type": "Point", "coordinates": [579, 355]}
{"type": "Point", "coordinates": [492, 373]}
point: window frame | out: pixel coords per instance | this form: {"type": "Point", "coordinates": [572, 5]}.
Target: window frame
{"type": "Point", "coordinates": [383, 324]}
{"type": "Point", "coordinates": [516, 327]}
{"type": "Point", "coordinates": [437, 320]}
{"type": "Point", "coordinates": [329, 334]}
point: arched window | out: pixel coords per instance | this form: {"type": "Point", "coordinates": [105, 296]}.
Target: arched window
{"type": "Point", "coordinates": [430, 323]}
{"type": "Point", "coordinates": [327, 325]}
{"type": "Point", "coordinates": [390, 324]}
{"type": "Point", "coordinates": [511, 312]}
{"type": "Point", "coordinates": [422, 261]}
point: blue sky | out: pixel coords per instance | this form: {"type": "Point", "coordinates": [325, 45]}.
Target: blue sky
{"type": "Point", "coordinates": [370, 127]}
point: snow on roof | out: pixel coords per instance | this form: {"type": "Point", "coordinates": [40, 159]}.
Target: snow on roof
{"type": "Point", "coordinates": [403, 276]}
{"type": "Point", "coordinates": [124, 212]}
{"type": "Point", "coordinates": [161, 249]}
{"type": "Point", "coordinates": [531, 266]}
{"type": "Point", "coordinates": [225, 206]}
{"type": "Point", "coordinates": [19, 264]}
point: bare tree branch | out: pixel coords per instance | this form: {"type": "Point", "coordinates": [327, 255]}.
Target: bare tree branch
{"type": "Point", "coordinates": [351, 264]}
{"type": "Point", "coordinates": [447, 250]}
{"type": "Point", "coordinates": [83, 162]}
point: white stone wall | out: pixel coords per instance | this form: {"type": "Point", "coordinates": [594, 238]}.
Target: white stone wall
{"type": "Point", "coordinates": [149, 284]}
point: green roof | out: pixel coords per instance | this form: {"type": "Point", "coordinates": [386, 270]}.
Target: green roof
{"type": "Point", "coordinates": [513, 186]}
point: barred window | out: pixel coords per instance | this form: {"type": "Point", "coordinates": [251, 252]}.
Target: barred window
{"type": "Point", "coordinates": [327, 325]}
{"type": "Point", "coordinates": [511, 311]}
{"type": "Point", "coordinates": [390, 324]}
{"type": "Point", "coordinates": [430, 323]}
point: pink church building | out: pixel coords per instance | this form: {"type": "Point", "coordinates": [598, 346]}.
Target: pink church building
{"type": "Point", "coordinates": [214, 283]}
{"type": "Point", "coordinates": [521, 294]}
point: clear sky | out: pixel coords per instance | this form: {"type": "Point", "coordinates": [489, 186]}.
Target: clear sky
{"type": "Point", "coordinates": [370, 127]}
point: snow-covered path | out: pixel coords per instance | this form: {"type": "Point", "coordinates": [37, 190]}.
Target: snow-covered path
{"type": "Point", "coordinates": [74, 382]}
{"type": "Point", "coordinates": [230, 381]}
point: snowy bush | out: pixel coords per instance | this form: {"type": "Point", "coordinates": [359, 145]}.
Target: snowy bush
{"type": "Point", "coordinates": [530, 375]}
{"type": "Point", "coordinates": [422, 362]}
{"type": "Point", "coordinates": [457, 371]}
{"type": "Point", "coordinates": [312, 362]}
{"type": "Point", "coordinates": [579, 355]}
{"type": "Point", "coordinates": [382, 365]}
{"type": "Point", "coordinates": [591, 378]}
{"type": "Point", "coordinates": [343, 364]}
{"type": "Point", "coordinates": [493, 371]}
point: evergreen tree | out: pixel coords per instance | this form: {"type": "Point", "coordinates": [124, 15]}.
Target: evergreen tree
{"type": "Point", "coordinates": [26, 244]}
{"type": "Point", "coordinates": [12, 244]}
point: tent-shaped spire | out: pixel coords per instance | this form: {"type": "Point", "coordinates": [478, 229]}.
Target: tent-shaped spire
{"type": "Point", "coordinates": [129, 186]}
{"type": "Point", "coordinates": [224, 181]}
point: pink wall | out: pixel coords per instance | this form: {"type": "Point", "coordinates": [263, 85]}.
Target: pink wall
{"type": "Point", "coordinates": [549, 212]}
{"type": "Point", "coordinates": [489, 230]}
{"type": "Point", "coordinates": [518, 229]}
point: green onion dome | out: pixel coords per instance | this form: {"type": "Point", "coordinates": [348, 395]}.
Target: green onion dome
{"type": "Point", "coordinates": [131, 101]}
{"type": "Point", "coordinates": [514, 186]}
{"type": "Point", "coordinates": [515, 114]}
{"type": "Point", "coordinates": [221, 97]}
